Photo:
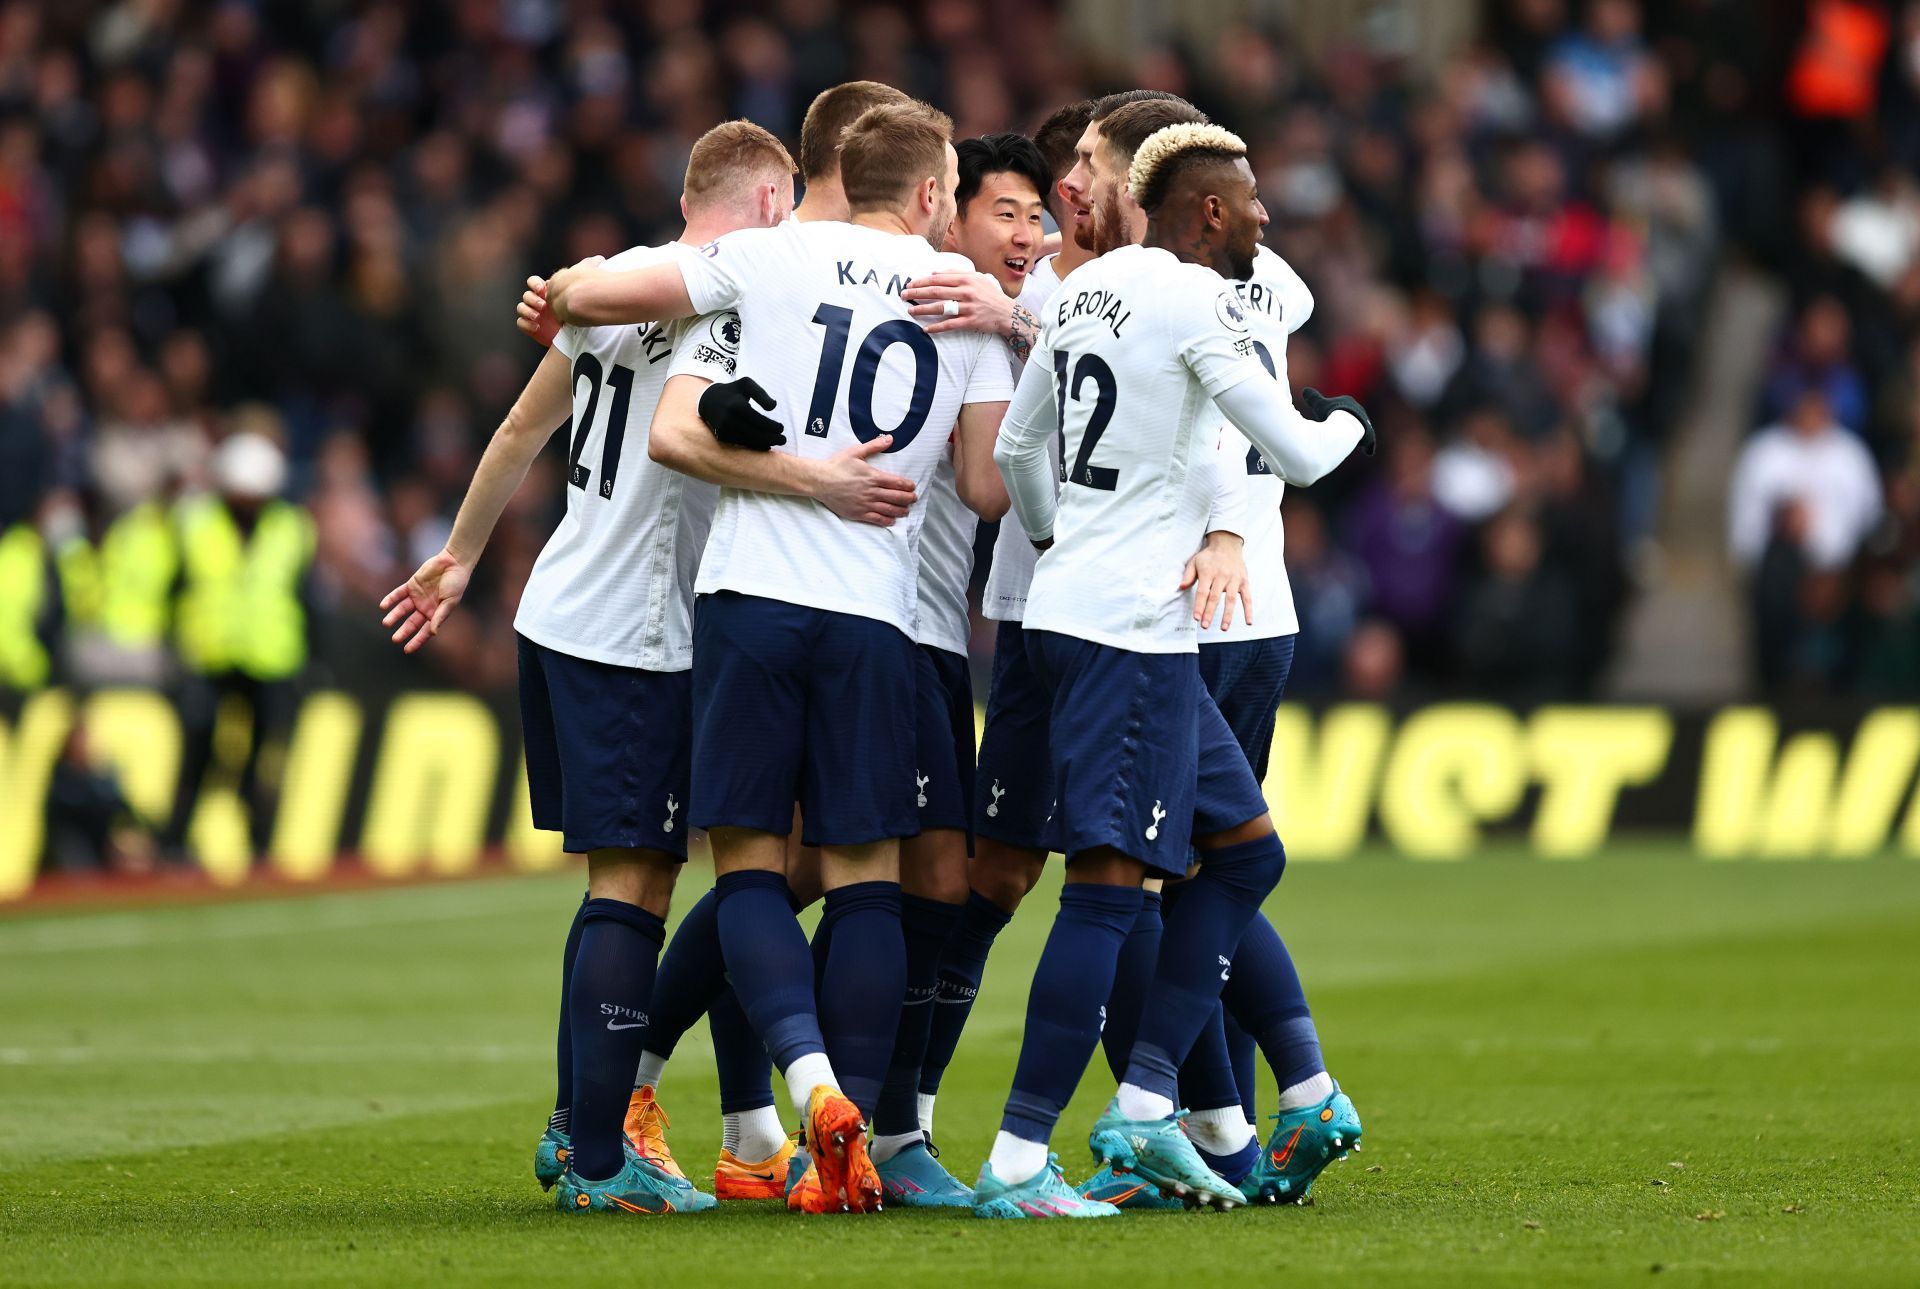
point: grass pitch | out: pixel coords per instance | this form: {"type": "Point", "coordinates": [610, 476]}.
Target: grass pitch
{"type": "Point", "coordinates": [1580, 1072]}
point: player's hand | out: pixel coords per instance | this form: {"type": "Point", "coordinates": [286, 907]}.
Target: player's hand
{"type": "Point", "coordinates": [856, 489]}
{"type": "Point", "coordinates": [727, 408]}
{"type": "Point", "coordinates": [1217, 573]}
{"type": "Point", "coordinates": [539, 323]}
{"type": "Point", "coordinates": [534, 303]}
{"type": "Point", "coordinates": [1320, 407]}
{"type": "Point", "coordinates": [978, 303]}
{"type": "Point", "coordinates": [532, 315]}
{"type": "Point", "coordinates": [417, 607]}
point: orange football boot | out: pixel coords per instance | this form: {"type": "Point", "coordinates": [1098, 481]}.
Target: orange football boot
{"type": "Point", "coordinates": [837, 1138]}
{"type": "Point", "coordinates": [735, 1178]}
{"type": "Point", "coordinates": [646, 1128]}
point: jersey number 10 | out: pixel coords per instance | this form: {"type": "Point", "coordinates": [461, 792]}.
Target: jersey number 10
{"type": "Point", "coordinates": [838, 320]}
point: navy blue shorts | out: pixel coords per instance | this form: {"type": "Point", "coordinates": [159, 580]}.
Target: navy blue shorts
{"type": "Point", "coordinates": [943, 720]}
{"type": "Point", "coordinates": [1247, 679]}
{"type": "Point", "coordinates": [1142, 759]}
{"type": "Point", "coordinates": [608, 751]}
{"type": "Point", "coordinates": [797, 704]}
{"type": "Point", "coordinates": [1013, 787]}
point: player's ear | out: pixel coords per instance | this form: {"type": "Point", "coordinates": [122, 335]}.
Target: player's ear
{"type": "Point", "coordinates": [683, 206]}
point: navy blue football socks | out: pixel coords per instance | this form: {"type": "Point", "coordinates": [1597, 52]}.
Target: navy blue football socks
{"type": "Point", "coordinates": [692, 976]}
{"type": "Point", "coordinates": [768, 964]}
{"type": "Point", "coordinates": [863, 985]}
{"type": "Point", "coordinates": [563, 1048]}
{"type": "Point", "coordinates": [925, 925]}
{"type": "Point", "coordinates": [746, 1074]}
{"type": "Point", "coordinates": [1265, 997]}
{"type": "Point", "coordinates": [1241, 1051]}
{"type": "Point", "coordinates": [962, 964]}
{"type": "Point", "coordinates": [1133, 973]}
{"type": "Point", "coordinates": [1206, 1077]}
{"type": "Point", "coordinates": [1236, 1166]}
{"type": "Point", "coordinates": [1203, 929]}
{"type": "Point", "coordinates": [607, 1003]}
{"type": "Point", "coordinates": [1068, 1002]}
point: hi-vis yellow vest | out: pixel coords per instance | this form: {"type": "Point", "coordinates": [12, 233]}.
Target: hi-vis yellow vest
{"type": "Point", "coordinates": [23, 588]}
{"type": "Point", "coordinates": [125, 588]}
{"type": "Point", "coordinates": [239, 607]}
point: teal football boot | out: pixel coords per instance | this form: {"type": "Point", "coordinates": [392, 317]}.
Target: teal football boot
{"type": "Point", "coordinates": [1045, 1194]}
{"type": "Point", "coordinates": [797, 1166]}
{"type": "Point", "coordinates": [1123, 1190]}
{"type": "Point", "coordinates": [1304, 1142]}
{"type": "Point", "coordinates": [550, 1158]}
{"type": "Point", "coordinates": [914, 1179]}
{"type": "Point", "coordinates": [1159, 1151]}
{"type": "Point", "coordinates": [641, 1186]}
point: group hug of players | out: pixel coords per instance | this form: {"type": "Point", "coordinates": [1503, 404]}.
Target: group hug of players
{"type": "Point", "coordinates": [753, 620]}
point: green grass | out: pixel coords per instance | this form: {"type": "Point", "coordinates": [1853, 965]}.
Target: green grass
{"type": "Point", "coordinates": [1569, 1073]}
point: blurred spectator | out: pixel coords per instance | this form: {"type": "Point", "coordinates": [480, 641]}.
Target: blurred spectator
{"type": "Point", "coordinates": [1599, 78]}
{"type": "Point", "coordinates": [1817, 357]}
{"type": "Point", "coordinates": [1408, 544]}
{"type": "Point", "coordinates": [90, 822]}
{"type": "Point", "coordinates": [1519, 621]}
{"type": "Point", "coordinates": [1807, 480]}
{"type": "Point", "coordinates": [1473, 476]}
{"type": "Point", "coordinates": [1329, 589]}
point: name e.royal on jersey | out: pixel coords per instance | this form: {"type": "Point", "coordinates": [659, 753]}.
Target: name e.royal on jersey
{"type": "Point", "coordinates": [1102, 305]}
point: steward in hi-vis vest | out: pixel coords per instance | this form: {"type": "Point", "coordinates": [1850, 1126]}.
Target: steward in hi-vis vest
{"type": "Point", "coordinates": [28, 607]}
{"type": "Point", "coordinates": [239, 617]}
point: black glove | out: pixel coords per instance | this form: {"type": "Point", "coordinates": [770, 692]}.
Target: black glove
{"type": "Point", "coordinates": [1320, 407]}
{"type": "Point", "coordinates": [728, 410]}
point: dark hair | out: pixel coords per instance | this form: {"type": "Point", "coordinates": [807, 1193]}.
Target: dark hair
{"type": "Point", "coordinates": [1130, 125]}
{"type": "Point", "coordinates": [993, 154]}
{"type": "Point", "coordinates": [831, 112]}
{"type": "Point", "coordinates": [1057, 135]}
{"type": "Point", "coordinates": [1107, 105]}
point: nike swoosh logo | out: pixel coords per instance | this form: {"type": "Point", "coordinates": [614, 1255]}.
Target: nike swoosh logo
{"type": "Point", "coordinates": [765, 1177]}
{"type": "Point", "coordinates": [639, 1024]}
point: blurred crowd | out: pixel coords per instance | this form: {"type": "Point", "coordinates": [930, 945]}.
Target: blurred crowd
{"type": "Point", "coordinates": [306, 222]}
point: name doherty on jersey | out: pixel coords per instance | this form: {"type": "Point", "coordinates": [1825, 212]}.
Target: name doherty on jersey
{"type": "Point", "coordinates": [1102, 305]}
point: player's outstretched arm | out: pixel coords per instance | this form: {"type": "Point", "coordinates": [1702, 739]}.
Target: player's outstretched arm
{"type": "Point", "coordinates": [585, 296]}
{"type": "Point", "coordinates": [975, 474]}
{"type": "Point", "coordinates": [417, 607]}
{"type": "Point", "coordinates": [846, 483]}
{"type": "Point", "coordinates": [1021, 451]}
{"type": "Point", "coordinates": [1299, 450]}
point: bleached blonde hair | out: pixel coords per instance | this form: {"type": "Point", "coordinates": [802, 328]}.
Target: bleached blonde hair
{"type": "Point", "coordinates": [1165, 151]}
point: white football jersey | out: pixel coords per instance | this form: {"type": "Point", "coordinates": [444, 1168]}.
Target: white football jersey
{"type": "Point", "coordinates": [1135, 347]}
{"type": "Point", "coordinates": [1278, 304]}
{"type": "Point", "coordinates": [828, 335]}
{"type": "Point", "coordinates": [1005, 598]}
{"type": "Point", "coordinates": [614, 583]}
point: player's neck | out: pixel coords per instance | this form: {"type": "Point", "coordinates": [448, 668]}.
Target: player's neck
{"type": "Point", "coordinates": [825, 199]}
{"type": "Point", "coordinates": [885, 221]}
{"type": "Point", "coordinates": [699, 232]}
{"type": "Point", "coordinates": [1189, 244]}
{"type": "Point", "coordinates": [1070, 256]}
